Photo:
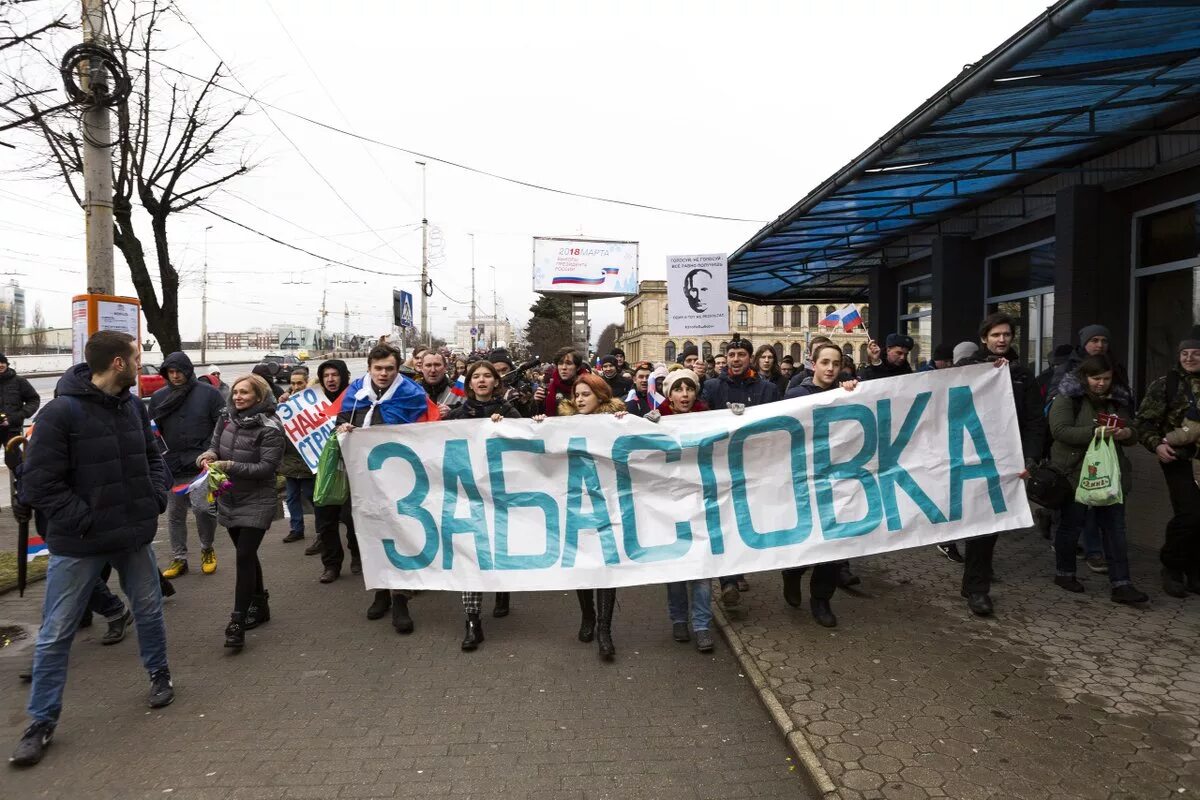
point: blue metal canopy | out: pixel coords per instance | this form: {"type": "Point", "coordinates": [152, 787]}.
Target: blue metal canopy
{"type": "Point", "coordinates": [1083, 79]}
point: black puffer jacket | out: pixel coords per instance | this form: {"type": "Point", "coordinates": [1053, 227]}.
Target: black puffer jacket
{"type": "Point", "coordinates": [747, 389]}
{"type": "Point", "coordinates": [18, 400]}
{"type": "Point", "coordinates": [884, 369]}
{"type": "Point", "coordinates": [186, 427]}
{"type": "Point", "coordinates": [93, 468]}
{"type": "Point", "coordinates": [474, 409]}
{"type": "Point", "coordinates": [1027, 395]}
{"type": "Point", "coordinates": [253, 440]}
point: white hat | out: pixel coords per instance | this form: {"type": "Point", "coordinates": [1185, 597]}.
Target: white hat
{"type": "Point", "coordinates": [213, 369]}
{"type": "Point", "coordinates": [964, 350]}
{"type": "Point", "coordinates": [677, 375]}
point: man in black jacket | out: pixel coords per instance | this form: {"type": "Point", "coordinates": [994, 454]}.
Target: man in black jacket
{"type": "Point", "coordinates": [186, 411]}
{"type": "Point", "coordinates": [897, 346]}
{"type": "Point", "coordinates": [94, 469]}
{"type": "Point", "coordinates": [618, 383]}
{"type": "Point", "coordinates": [640, 401]}
{"type": "Point", "coordinates": [996, 336]}
{"type": "Point", "coordinates": [18, 402]}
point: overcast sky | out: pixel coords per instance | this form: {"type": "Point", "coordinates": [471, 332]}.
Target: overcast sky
{"type": "Point", "coordinates": [735, 109]}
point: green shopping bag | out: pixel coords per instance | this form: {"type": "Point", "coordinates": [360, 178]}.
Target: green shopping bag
{"type": "Point", "coordinates": [1100, 474]}
{"type": "Point", "coordinates": [332, 487]}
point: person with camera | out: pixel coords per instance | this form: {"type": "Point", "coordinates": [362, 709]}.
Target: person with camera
{"type": "Point", "coordinates": [515, 388]}
{"type": "Point", "coordinates": [1089, 404]}
{"type": "Point", "coordinates": [1169, 401]}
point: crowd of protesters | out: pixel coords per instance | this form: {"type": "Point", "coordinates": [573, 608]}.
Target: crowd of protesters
{"type": "Point", "coordinates": [102, 467]}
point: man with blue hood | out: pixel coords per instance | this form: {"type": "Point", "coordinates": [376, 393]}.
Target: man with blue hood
{"type": "Point", "coordinates": [186, 411]}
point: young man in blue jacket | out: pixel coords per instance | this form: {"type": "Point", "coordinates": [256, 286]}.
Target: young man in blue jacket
{"type": "Point", "coordinates": [94, 469]}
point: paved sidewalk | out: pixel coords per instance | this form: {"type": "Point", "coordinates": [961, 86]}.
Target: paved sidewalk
{"type": "Point", "coordinates": [324, 704]}
{"type": "Point", "coordinates": [1059, 696]}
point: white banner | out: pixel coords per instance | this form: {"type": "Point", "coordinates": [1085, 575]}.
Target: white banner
{"type": "Point", "coordinates": [698, 295]}
{"type": "Point", "coordinates": [595, 501]}
{"type": "Point", "coordinates": [585, 266]}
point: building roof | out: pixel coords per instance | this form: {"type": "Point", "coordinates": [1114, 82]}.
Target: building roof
{"type": "Point", "coordinates": [1083, 79]}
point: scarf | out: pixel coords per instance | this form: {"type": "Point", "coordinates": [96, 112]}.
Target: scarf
{"type": "Point", "coordinates": [175, 400]}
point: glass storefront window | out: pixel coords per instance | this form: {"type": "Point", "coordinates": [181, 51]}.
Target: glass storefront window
{"type": "Point", "coordinates": [921, 331]}
{"type": "Point", "coordinates": [1023, 271]}
{"type": "Point", "coordinates": [1167, 305]}
{"type": "Point", "coordinates": [916, 317]}
{"type": "Point", "coordinates": [916, 296]}
{"type": "Point", "coordinates": [1169, 236]}
{"type": "Point", "coordinates": [1034, 336]}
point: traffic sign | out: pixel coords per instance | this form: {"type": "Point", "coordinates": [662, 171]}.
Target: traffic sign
{"type": "Point", "coordinates": [402, 309]}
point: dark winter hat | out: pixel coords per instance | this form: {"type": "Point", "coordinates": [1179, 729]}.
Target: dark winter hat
{"type": "Point", "coordinates": [900, 340]}
{"type": "Point", "coordinates": [692, 350]}
{"type": "Point", "coordinates": [787, 360]}
{"type": "Point", "coordinates": [3, 358]}
{"type": "Point", "coordinates": [739, 343]}
{"type": "Point", "coordinates": [943, 352]}
{"type": "Point", "coordinates": [1192, 340]}
{"type": "Point", "coordinates": [1063, 352]}
{"type": "Point", "coordinates": [1092, 331]}
{"type": "Point", "coordinates": [501, 356]}
{"type": "Point", "coordinates": [616, 351]}
{"type": "Point", "coordinates": [608, 360]}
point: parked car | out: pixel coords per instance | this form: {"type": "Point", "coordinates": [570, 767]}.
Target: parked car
{"type": "Point", "coordinates": [149, 381]}
{"type": "Point", "coordinates": [281, 366]}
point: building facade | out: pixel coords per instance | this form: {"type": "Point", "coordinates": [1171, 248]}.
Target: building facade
{"type": "Point", "coordinates": [491, 331]}
{"type": "Point", "coordinates": [787, 328]}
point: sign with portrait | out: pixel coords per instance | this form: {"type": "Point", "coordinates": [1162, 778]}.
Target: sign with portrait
{"type": "Point", "coordinates": [698, 295]}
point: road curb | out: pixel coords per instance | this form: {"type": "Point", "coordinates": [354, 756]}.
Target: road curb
{"type": "Point", "coordinates": [814, 774]}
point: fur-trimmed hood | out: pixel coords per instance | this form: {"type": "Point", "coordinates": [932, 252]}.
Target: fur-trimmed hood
{"type": "Point", "coordinates": [567, 408]}
{"type": "Point", "coordinates": [1072, 386]}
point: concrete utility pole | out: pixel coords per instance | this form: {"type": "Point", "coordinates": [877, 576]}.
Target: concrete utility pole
{"type": "Point", "coordinates": [474, 327]}
{"type": "Point", "coordinates": [495, 310]}
{"type": "Point", "coordinates": [204, 302]}
{"type": "Point", "coordinates": [97, 162]}
{"type": "Point", "coordinates": [424, 262]}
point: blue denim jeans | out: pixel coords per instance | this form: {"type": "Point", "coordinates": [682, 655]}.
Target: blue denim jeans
{"type": "Point", "coordinates": [69, 585]}
{"type": "Point", "coordinates": [1111, 521]}
{"type": "Point", "coordinates": [701, 605]}
{"type": "Point", "coordinates": [1093, 545]}
{"type": "Point", "coordinates": [102, 601]}
{"type": "Point", "coordinates": [298, 490]}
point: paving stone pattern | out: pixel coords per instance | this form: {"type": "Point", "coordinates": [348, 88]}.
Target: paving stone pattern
{"type": "Point", "coordinates": [324, 704]}
{"type": "Point", "coordinates": [1059, 696]}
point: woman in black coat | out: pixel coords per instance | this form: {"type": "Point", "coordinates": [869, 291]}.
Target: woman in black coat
{"type": "Point", "coordinates": [247, 445]}
{"type": "Point", "coordinates": [483, 401]}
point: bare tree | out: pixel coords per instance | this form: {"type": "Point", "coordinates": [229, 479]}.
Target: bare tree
{"type": "Point", "coordinates": [19, 30]}
{"type": "Point", "coordinates": [608, 338]}
{"type": "Point", "coordinates": [166, 155]}
{"type": "Point", "coordinates": [37, 334]}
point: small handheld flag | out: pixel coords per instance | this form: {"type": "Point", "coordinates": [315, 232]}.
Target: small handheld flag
{"type": "Point", "coordinates": [846, 316]}
{"type": "Point", "coordinates": [459, 389]}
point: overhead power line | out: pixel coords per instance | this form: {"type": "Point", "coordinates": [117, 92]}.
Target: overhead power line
{"type": "Point", "coordinates": [457, 165]}
{"type": "Point", "coordinates": [297, 248]}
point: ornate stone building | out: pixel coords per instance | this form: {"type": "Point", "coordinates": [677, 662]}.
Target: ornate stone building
{"type": "Point", "coordinates": [787, 328]}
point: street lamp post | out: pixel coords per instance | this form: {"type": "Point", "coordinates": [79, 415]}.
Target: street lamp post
{"type": "Point", "coordinates": [204, 303]}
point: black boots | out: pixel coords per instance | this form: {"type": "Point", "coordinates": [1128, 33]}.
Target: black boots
{"type": "Point", "coordinates": [235, 631]}
{"type": "Point", "coordinates": [259, 612]}
{"type": "Point", "coordinates": [607, 599]}
{"type": "Point", "coordinates": [1174, 582]}
{"type": "Point", "coordinates": [587, 610]}
{"type": "Point", "coordinates": [822, 612]}
{"type": "Point", "coordinates": [846, 578]}
{"type": "Point", "coordinates": [474, 634]}
{"type": "Point", "coordinates": [383, 602]}
{"type": "Point", "coordinates": [793, 586]}
{"type": "Point", "coordinates": [501, 609]}
{"type": "Point", "coordinates": [401, 621]}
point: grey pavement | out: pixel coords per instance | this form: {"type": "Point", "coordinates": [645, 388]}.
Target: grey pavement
{"type": "Point", "coordinates": [323, 703]}
{"type": "Point", "coordinates": [1058, 696]}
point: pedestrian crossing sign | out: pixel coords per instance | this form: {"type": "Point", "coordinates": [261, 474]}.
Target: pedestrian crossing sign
{"type": "Point", "coordinates": [402, 309]}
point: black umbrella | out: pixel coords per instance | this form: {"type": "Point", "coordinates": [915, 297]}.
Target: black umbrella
{"type": "Point", "coordinates": [15, 449]}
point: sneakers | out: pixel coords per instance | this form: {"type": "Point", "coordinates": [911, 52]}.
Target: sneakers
{"type": "Point", "coordinates": [208, 561]}
{"type": "Point", "coordinates": [679, 632]}
{"type": "Point", "coordinates": [1129, 595]}
{"type": "Point", "coordinates": [1068, 582]}
{"type": "Point", "coordinates": [33, 744]}
{"type": "Point", "coordinates": [162, 691]}
{"type": "Point", "coordinates": [1097, 564]}
{"type": "Point", "coordinates": [950, 551]}
{"type": "Point", "coordinates": [704, 641]}
{"type": "Point", "coordinates": [178, 567]}
{"type": "Point", "coordinates": [117, 629]}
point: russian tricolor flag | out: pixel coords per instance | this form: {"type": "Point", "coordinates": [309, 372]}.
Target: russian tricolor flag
{"type": "Point", "coordinates": [846, 316]}
{"type": "Point", "coordinates": [459, 388]}
{"type": "Point", "coordinates": [37, 547]}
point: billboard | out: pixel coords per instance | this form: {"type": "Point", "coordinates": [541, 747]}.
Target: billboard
{"type": "Point", "coordinates": [585, 266]}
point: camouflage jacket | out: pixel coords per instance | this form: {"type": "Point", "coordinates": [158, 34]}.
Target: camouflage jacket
{"type": "Point", "coordinates": [1154, 418]}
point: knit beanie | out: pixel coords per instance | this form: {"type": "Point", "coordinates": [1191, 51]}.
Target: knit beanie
{"type": "Point", "coordinates": [1192, 340]}
{"type": "Point", "coordinates": [1092, 331]}
{"type": "Point", "coordinates": [943, 352]}
{"type": "Point", "coordinates": [3, 358]}
{"type": "Point", "coordinates": [675, 377]}
{"type": "Point", "coordinates": [688, 351]}
{"type": "Point", "coordinates": [964, 350]}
